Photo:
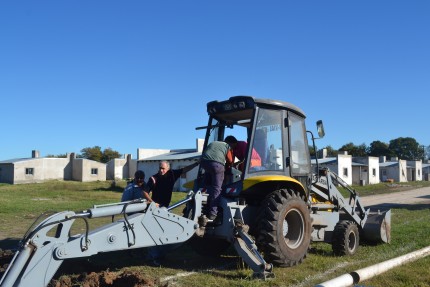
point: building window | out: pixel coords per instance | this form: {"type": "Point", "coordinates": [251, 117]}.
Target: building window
{"type": "Point", "coordinates": [29, 171]}
{"type": "Point", "coordinates": [384, 172]}
{"type": "Point", "coordinates": [374, 171]}
{"type": "Point", "coordinates": [419, 172]}
{"type": "Point", "coordinates": [94, 171]}
{"type": "Point", "coordinates": [345, 171]}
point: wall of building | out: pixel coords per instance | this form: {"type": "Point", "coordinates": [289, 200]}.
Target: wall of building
{"type": "Point", "coordinates": [83, 168]}
{"type": "Point", "coordinates": [43, 169]}
{"type": "Point", "coordinates": [403, 172]}
{"type": "Point", "coordinates": [121, 168]}
{"type": "Point", "coordinates": [389, 172]}
{"type": "Point", "coordinates": [143, 153]}
{"type": "Point", "coordinates": [373, 175]}
{"type": "Point", "coordinates": [77, 172]}
{"type": "Point", "coordinates": [6, 173]}
{"type": "Point", "coordinates": [115, 169]}
{"type": "Point", "coordinates": [426, 173]}
{"type": "Point", "coordinates": [368, 174]}
{"type": "Point", "coordinates": [344, 162]}
{"type": "Point", "coordinates": [415, 170]}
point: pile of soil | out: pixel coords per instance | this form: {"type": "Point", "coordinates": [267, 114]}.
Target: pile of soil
{"type": "Point", "coordinates": [5, 257]}
{"type": "Point", "coordinates": [104, 279]}
{"type": "Point", "coordinates": [79, 278]}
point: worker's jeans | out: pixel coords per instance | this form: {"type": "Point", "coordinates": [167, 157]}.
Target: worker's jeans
{"type": "Point", "coordinates": [214, 177]}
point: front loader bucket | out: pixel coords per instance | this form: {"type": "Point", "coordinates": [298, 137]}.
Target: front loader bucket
{"type": "Point", "coordinates": [377, 228]}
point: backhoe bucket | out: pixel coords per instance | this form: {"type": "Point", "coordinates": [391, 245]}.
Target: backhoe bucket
{"type": "Point", "coordinates": [378, 227]}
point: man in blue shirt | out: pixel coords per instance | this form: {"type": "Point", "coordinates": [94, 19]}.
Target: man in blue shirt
{"type": "Point", "coordinates": [134, 190]}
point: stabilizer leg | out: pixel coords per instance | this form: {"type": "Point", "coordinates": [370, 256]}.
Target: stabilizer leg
{"type": "Point", "coordinates": [247, 249]}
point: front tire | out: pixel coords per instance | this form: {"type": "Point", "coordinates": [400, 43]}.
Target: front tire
{"type": "Point", "coordinates": [284, 228]}
{"type": "Point", "coordinates": [346, 238]}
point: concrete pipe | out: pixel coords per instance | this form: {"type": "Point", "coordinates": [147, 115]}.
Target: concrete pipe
{"type": "Point", "coordinates": [363, 274]}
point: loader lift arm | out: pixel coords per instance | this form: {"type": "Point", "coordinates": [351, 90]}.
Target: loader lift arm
{"type": "Point", "coordinates": [326, 189]}
{"type": "Point", "coordinates": [376, 226]}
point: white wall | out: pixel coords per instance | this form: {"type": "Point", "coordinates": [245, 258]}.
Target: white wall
{"type": "Point", "coordinates": [43, 169]}
{"type": "Point", "coordinates": [415, 173]}
{"type": "Point", "coordinates": [368, 173]}
{"type": "Point", "coordinates": [344, 161]}
{"type": "Point", "coordinates": [143, 153]}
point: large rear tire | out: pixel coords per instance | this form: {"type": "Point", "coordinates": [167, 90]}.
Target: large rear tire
{"type": "Point", "coordinates": [284, 228]}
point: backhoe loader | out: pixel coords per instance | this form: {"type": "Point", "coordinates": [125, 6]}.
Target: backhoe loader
{"type": "Point", "coordinates": [271, 210]}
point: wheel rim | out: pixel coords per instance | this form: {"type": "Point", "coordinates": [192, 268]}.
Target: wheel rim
{"type": "Point", "coordinates": [352, 241]}
{"type": "Point", "coordinates": [293, 228]}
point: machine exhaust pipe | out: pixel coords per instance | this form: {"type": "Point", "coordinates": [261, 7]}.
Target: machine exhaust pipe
{"type": "Point", "coordinates": [377, 228]}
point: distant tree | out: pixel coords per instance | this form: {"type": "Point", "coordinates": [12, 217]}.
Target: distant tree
{"type": "Point", "coordinates": [426, 152]}
{"type": "Point", "coordinates": [92, 153]}
{"type": "Point", "coordinates": [406, 148]}
{"type": "Point", "coordinates": [109, 154]}
{"type": "Point", "coordinates": [96, 153]}
{"type": "Point", "coordinates": [354, 150]}
{"type": "Point", "coordinates": [311, 151]}
{"type": "Point", "coordinates": [331, 151]}
{"type": "Point", "coordinates": [378, 148]}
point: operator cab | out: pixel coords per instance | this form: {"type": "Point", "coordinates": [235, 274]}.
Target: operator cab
{"type": "Point", "coordinates": [275, 134]}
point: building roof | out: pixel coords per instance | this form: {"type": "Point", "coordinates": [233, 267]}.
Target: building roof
{"type": "Point", "coordinates": [359, 164]}
{"type": "Point", "coordinates": [174, 155]}
{"type": "Point", "coordinates": [14, 160]}
{"type": "Point", "coordinates": [326, 160]}
{"type": "Point", "coordinates": [388, 163]}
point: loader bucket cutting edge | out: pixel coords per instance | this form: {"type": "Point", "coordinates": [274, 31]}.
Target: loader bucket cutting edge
{"type": "Point", "coordinates": [377, 228]}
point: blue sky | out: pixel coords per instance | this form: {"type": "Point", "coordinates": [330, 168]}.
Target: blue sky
{"type": "Point", "coordinates": [138, 74]}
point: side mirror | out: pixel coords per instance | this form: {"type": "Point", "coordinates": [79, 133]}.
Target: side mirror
{"type": "Point", "coordinates": [320, 128]}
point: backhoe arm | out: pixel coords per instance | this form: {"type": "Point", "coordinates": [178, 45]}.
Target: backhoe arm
{"type": "Point", "coordinates": [45, 247]}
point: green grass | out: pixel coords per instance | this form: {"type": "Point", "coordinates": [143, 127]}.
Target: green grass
{"type": "Point", "coordinates": [21, 204]}
{"type": "Point", "coordinates": [384, 187]}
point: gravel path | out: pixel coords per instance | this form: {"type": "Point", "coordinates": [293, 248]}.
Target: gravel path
{"type": "Point", "coordinates": [420, 196]}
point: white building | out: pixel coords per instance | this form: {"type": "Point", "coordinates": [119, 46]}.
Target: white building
{"type": "Point", "coordinates": [121, 168]}
{"type": "Point", "coordinates": [39, 169]}
{"type": "Point", "coordinates": [340, 165]}
{"type": "Point", "coordinates": [426, 170]}
{"type": "Point", "coordinates": [393, 170]}
{"type": "Point", "coordinates": [414, 170]}
{"type": "Point", "coordinates": [365, 170]}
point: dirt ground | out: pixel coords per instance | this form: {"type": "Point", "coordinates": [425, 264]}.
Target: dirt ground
{"type": "Point", "coordinates": [79, 277]}
{"type": "Point", "coordinates": [102, 277]}
{"type": "Point", "coordinates": [420, 196]}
